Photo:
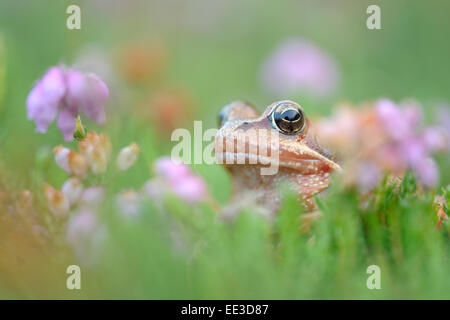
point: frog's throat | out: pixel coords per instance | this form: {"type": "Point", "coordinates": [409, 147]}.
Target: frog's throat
{"type": "Point", "coordinates": [247, 179]}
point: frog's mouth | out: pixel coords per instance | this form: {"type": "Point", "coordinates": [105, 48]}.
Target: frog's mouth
{"type": "Point", "coordinates": [301, 158]}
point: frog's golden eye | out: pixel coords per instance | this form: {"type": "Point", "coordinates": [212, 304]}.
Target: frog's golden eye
{"type": "Point", "coordinates": [288, 118]}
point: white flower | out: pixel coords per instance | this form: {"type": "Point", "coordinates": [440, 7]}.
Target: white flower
{"type": "Point", "coordinates": [86, 235]}
{"type": "Point", "coordinates": [129, 202]}
{"type": "Point", "coordinates": [72, 189]}
{"type": "Point", "coordinates": [127, 156]}
{"type": "Point", "coordinates": [57, 202]}
{"type": "Point", "coordinates": [155, 188]}
{"type": "Point", "coordinates": [96, 149]}
{"type": "Point", "coordinates": [70, 161]}
{"type": "Point", "coordinates": [92, 197]}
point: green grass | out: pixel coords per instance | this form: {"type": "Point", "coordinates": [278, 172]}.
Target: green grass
{"type": "Point", "coordinates": [183, 252]}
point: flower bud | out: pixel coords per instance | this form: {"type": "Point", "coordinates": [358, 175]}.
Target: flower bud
{"type": "Point", "coordinates": [190, 189]}
{"type": "Point", "coordinates": [81, 225]}
{"type": "Point", "coordinates": [171, 170]}
{"type": "Point", "coordinates": [70, 161]}
{"type": "Point", "coordinates": [57, 201]}
{"type": "Point", "coordinates": [96, 149]}
{"type": "Point", "coordinates": [80, 132]}
{"type": "Point", "coordinates": [93, 196]}
{"type": "Point", "coordinates": [129, 202]}
{"type": "Point", "coordinates": [127, 156]}
{"type": "Point", "coordinates": [154, 188]}
{"type": "Point", "coordinates": [72, 189]}
{"type": "Point", "coordinates": [86, 235]}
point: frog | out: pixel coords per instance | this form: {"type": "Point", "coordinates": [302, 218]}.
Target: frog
{"type": "Point", "coordinates": [304, 166]}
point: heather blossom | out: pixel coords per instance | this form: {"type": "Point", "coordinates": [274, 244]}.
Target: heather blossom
{"type": "Point", "coordinates": [298, 66]}
{"type": "Point", "coordinates": [57, 201]}
{"type": "Point", "coordinates": [127, 156]}
{"type": "Point", "coordinates": [70, 161]}
{"type": "Point", "coordinates": [368, 176]}
{"type": "Point", "coordinates": [178, 179]}
{"type": "Point", "coordinates": [71, 195]}
{"type": "Point", "coordinates": [399, 123]}
{"type": "Point", "coordinates": [81, 224]}
{"type": "Point", "coordinates": [94, 153]}
{"type": "Point", "coordinates": [96, 149]}
{"type": "Point", "coordinates": [171, 170]}
{"type": "Point", "coordinates": [61, 93]}
{"type": "Point", "coordinates": [383, 137]}
{"type": "Point", "coordinates": [86, 235]}
{"type": "Point", "coordinates": [403, 124]}
{"type": "Point", "coordinates": [92, 197]}
{"type": "Point", "coordinates": [72, 189]}
{"type": "Point", "coordinates": [129, 203]}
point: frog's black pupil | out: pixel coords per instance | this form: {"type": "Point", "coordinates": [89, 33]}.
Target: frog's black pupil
{"type": "Point", "coordinates": [290, 115]}
{"type": "Point", "coordinates": [288, 121]}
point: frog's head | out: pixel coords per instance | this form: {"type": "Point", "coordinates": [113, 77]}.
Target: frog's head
{"type": "Point", "coordinates": [281, 133]}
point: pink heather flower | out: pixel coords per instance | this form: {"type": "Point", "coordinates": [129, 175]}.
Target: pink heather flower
{"type": "Point", "coordinates": [81, 224]}
{"type": "Point", "coordinates": [299, 66]}
{"type": "Point", "coordinates": [129, 203]}
{"type": "Point", "coordinates": [413, 150]}
{"type": "Point", "coordinates": [368, 176]}
{"type": "Point", "coordinates": [412, 111]}
{"type": "Point", "coordinates": [191, 189]}
{"type": "Point", "coordinates": [398, 123]}
{"type": "Point", "coordinates": [86, 235]}
{"type": "Point", "coordinates": [170, 169]}
{"type": "Point", "coordinates": [412, 144]}
{"type": "Point", "coordinates": [93, 196]}
{"type": "Point", "coordinates": [179, 179]}
{"type": "Point", "coordinates": [417, 155]}
{"type": "Point", "coordinates": [60, 94]}
{"type": "Point", "coordinates": [338, 129]}
{"type": "Point", "coordinates": [72, 189]}
{"type": "Point", "coordinates": [391, 158]}
{"type": "Point", "coordinates": [435, 138]}
{"type": "Point", "coordinates": [427, 172]}
{"type": "Point", "coordinates": [153, 188]}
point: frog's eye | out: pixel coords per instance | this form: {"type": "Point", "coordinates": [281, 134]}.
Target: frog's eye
{"type": "Point", "coordinates": [289, 118]}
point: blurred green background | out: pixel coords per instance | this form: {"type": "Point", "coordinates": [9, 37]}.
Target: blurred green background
{"type": "Point", "coordinates": [212, 52]}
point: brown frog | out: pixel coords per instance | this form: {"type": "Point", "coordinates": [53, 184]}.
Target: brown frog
{"type": "Point", "coordinates": [301, 162]}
